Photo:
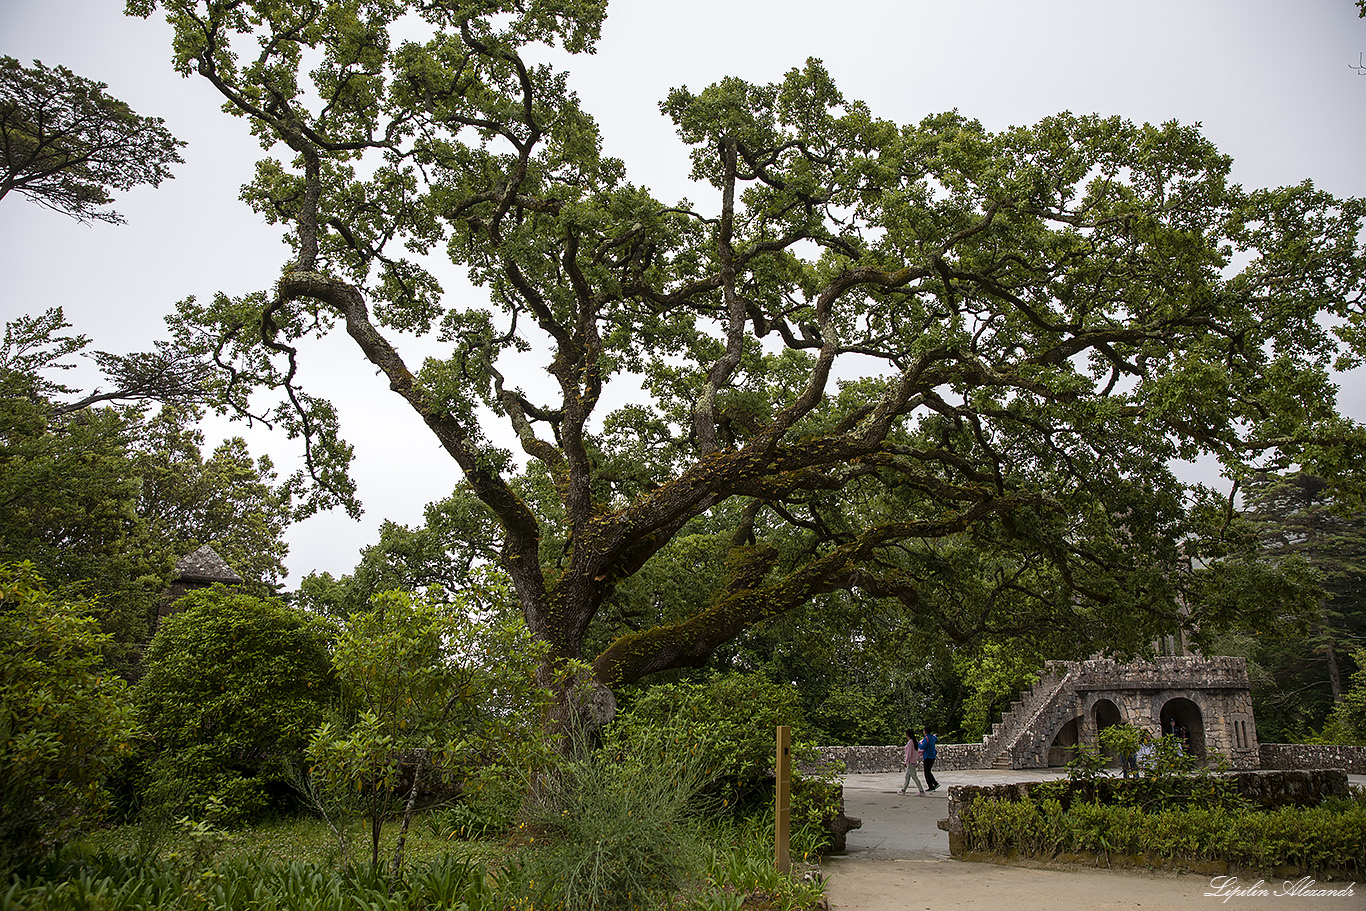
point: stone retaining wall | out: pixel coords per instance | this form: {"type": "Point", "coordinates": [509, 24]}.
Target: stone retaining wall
{"type": "Point", "coordinates": [1314, 756]}
{"type": "Point", "coordinates": [950, 756]}
{"type": "Point", "coordinates": [864, 759]}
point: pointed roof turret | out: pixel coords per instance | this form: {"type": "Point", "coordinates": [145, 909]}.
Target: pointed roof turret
{"type": "Point", "coordinates": [204, 566]}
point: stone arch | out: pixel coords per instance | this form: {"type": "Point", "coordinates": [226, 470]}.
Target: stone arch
{"type": "Point", "coordinates": [1180, 713]}
{"type": "Point", "coordinates": [1106, 714]}
{"type": "Point", "coordinates": [1064, 742]}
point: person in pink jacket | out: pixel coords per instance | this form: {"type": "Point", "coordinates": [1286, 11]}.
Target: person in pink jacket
{"type": "Point", "coordinates": [912, 762]}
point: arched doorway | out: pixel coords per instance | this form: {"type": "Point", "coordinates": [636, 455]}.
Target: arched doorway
{"type": "Point", "coordinates": [1106, 714]}
{"type": "Point", "coordinates": [1064, 744]}
{"type": "Point", "coordinates": [1182, 717]}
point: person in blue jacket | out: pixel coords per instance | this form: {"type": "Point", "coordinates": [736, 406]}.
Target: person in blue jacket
{"type": "Point", "coordinates": [928, 750]}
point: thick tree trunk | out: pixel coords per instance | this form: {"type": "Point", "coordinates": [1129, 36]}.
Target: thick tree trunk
{"type": "Point", "coordinates": [1334, 671]}
{"type": "Point", "coordinates": [581, 704]}
{"type": "Point", "coordinates": [1334, 674]}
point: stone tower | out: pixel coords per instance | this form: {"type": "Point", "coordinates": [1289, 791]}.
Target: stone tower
{"type": "Point", "coordinates": [201, 569]}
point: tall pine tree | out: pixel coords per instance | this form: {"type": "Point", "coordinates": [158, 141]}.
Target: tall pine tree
{"type": "Point", "coordinates": [1302, 675]}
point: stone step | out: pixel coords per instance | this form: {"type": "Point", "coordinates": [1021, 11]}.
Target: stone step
{"type": "Point", "coordinates": [1007, 732]}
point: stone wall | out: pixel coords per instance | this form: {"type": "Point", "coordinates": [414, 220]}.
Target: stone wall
{"type": "Point", "coordinates": [1313, 756]}
{"type": "Point", "coordinates": [1161, 673]}
{"type": "Point", "coordinates": [863, 760]}
{"type": "Point", "coordinates": [953, 756]}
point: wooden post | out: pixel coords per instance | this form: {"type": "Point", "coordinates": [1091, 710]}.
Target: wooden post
{"type": "Point", "coordinates": [782, 804]}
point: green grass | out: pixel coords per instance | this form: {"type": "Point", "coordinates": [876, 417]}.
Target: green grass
{"type": "Point", "coordinates": [294, 863]}
{"type": "Point", "coordinates": [294, 839]}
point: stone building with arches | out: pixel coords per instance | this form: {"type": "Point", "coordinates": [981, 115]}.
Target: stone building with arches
{"type": "Point", "coordinates": [1205, 701]}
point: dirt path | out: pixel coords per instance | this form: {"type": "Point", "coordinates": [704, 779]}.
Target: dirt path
{"type": "Point", "coordinates": [899, 861]}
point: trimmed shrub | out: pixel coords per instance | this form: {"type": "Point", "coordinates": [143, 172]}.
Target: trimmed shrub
{"type": "Point", "coordinates": [234, 687]}
{"type": "Point", "coordinates": [1326, 838]}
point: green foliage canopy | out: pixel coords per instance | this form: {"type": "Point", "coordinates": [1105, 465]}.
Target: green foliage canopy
{"type": "Point", "coordinates": [65, 143]}
{"type": "Point", "coordinates": [1299, 670]}
{"type": "Point", "coordinates": [727, 722]}
{"type": "Point", "coordinates": [867, 339]}
{"type": "Point", "coordinates": [1349, 715]}
{"type": "Point", "coordinates": [103, 500]}
{"type": "Point", "coordinates": [69, 489]}
{"type": "Point", "coordinates": [228, 500]}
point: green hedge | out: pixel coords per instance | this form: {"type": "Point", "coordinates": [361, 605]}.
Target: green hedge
{"type": "Point", "coordinates": [1317, 839]}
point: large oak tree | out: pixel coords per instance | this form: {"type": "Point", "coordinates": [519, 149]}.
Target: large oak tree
{"type": "Point", "coordinates": [878, 355]}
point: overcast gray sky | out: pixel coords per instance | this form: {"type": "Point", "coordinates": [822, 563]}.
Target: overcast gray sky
{"type": "Point", "coordinates": [1271, 81]}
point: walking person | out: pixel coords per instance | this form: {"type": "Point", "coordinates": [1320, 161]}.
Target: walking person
{"type": "Point", "coordinates": [1128, 762]}
{"type": "Point", "coordinates": [928, 749]}
{"type": "Point", "coordinates": [912, 761]}
{"type": "Point", "coordinates": [1147, 754]}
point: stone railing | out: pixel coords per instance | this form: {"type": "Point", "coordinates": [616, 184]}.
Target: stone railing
{"type": "Point", "coordinates": [1161, 673]}
{"type": "Point", "coordinates": [1031, 750]}
{"type": "Point", "coordinates": [1314, 756]}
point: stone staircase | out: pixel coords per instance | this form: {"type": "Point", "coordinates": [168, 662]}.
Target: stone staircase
{"type": "Point", "coordinates": [1053, 692]}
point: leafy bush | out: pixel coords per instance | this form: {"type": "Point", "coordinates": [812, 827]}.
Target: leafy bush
{"type": "Point", "coordinates": [1347, 723]}
{"type": "Point", "coordinates": [994, 673]}
{"type": "Point", "coordinates": [1124, 740]}
{"type": "Point", "coordinates": [728, 721]}
{"type": "Point", "coordinates": [739, 870]}
{"type": "Point", "coordinates": [432, 694]}
{"type": "Point", "coordinates": [1170, 778]}
{"type": "Point", "coordinates": [487, 806]}
{"type": "Point", "coordinates": [727, 724]}
{"type": "Point", "coordinates": [843, 715]}
{"type": "Point", "coordinates": [65, 721]}
{"type": "Point", "coordinates": [816, 800]}
{"type": "Point", "coordinates": [617, 830]}
{"type": "Point", "coordinates": [234, 686]}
